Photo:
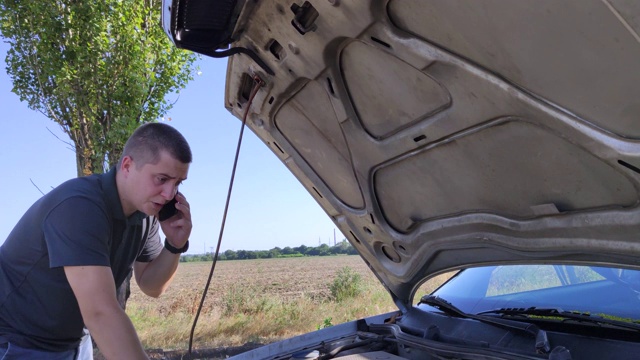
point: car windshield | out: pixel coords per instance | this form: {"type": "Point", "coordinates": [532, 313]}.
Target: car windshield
{"type": "Point", "coordinates": [593, 290]}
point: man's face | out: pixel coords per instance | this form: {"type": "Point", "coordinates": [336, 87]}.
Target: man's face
{"type": "Point", "coordinates": [149, 187]}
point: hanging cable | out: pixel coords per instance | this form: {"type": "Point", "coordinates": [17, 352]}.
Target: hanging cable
{"type": "Point", "coordinates": [258, 82]}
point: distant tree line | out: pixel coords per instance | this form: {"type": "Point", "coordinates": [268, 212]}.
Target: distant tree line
{"type": "Point", "coordinates": [342, 248]}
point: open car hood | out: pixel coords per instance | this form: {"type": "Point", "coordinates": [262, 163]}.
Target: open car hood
{"type": "Point", "coordinates": [444, 134]}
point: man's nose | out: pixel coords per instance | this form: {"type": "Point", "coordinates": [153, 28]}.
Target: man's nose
{"type": "Point", "coordinates": [169, 191]}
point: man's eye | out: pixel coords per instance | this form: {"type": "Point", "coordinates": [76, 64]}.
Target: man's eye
{"type": "Point", "coordinates": [161, 180]}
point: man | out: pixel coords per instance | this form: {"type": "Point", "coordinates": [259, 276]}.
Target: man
{"type": "Point", "coordinates": [62, 263]}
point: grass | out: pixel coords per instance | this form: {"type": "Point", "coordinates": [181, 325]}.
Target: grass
{"type": "Point", "coordinates": [258, 301]}
{"type": "Point", "coordinates": [248, 316]}
{"type": "Point", "coordinates": [346, 285]}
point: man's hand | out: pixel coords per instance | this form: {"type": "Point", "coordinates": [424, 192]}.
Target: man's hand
{"type": "Point", "coordinates": [154, 277]}
{"type": "Point", "coordinates": [109, 325]}
{"type": "Point", "coordinates": [177, 228]}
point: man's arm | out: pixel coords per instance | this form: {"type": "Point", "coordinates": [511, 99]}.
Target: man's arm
{"type": "Point", "coordinates": [108, 324]}
{"type": "Point", "coordinates": [154, 277]}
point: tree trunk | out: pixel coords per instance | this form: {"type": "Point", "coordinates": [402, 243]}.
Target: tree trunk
{"type": "Point", "coordinates": [83, 162]}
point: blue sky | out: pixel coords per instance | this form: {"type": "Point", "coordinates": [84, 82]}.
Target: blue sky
{"type": "Point", "coordinates": [269, 207]}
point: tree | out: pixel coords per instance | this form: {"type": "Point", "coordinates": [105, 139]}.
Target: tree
{"type": "Point", "coordinates": [343, 247]}
{"type": "Point", "coordinates": [98, 69]}
{"type": "Point", "coordinates": [242, 254]}
{"type": "Point", "coordinates": [302, 249]}
{"type": "Point", "coordinates": [230, 255]}
{"type": "Point", "coordinates": [275, 252]}
{"type": "Point", "coordinates": [288, 250]}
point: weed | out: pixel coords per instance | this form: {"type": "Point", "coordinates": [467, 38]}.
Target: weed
{"type": "Point", "coordinates": [234, 300]}
{"type": "Point", "coordinates": [346, 285]}
{"type": "Point", "coordinates": [257, 300]}
{"type": "Point", "coordinates": [325, 323]}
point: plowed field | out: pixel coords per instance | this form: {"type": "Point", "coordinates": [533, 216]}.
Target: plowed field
{"type": "Point", "coordinates": [286, 277]}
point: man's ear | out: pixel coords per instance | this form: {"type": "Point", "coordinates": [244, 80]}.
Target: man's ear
{"type": "Point", "coordinates": [126, 164]}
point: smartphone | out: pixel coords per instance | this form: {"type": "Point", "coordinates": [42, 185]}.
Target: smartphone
{"type": "Point", "coordinates": [168, 210]}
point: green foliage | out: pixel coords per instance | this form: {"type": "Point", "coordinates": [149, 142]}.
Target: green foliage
{"type": "Point", "coordinates": [230, 255]}
{"type": "Point", "coordinates": [195, 258]}
{"type": "Point", "coordinates": [346, 285]}
{"type": "Point", "coordinates": [97, 68]}
{"type": "Point", "coordinates": [342, 248]}
{"type": "Point", "coordinates": [291, 256]}
{"type": "Point", "coordinates": [240, 299]}
{"type": "Point", "coordinates": [235, 300]}
{"type": "Point", "coordinates": [325, 323]}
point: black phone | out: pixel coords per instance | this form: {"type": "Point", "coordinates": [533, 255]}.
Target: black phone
{"type": "Point", "coordinates": [168, 210]}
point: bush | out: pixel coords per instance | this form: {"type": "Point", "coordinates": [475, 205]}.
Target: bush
{"type": "Point", "coordinates": [325, 323]}
{"type": "Point", "coordinates": [239, 299]}
{"type": "Point", "coordinates": [235, 300]}
{"type": "Point", "coordinates": [346, 285]}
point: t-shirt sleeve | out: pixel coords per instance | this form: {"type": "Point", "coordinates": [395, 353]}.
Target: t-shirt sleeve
{"type": "Point", "coordinates": [77, 234]}
{"type": "Point", "coordinates": [153, 244]}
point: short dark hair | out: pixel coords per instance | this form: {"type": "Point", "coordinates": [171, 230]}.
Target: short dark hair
{"type": "Point", "coordinates": [147, 141]}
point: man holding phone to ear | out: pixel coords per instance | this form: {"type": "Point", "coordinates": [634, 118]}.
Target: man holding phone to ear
{"type": "Point", "coordinates": [62, 263]}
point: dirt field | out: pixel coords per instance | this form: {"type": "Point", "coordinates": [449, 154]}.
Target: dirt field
{"type": "Point", "coordinates": [234, 286]}
{"type": "Point", "coordinates": [287, 278]}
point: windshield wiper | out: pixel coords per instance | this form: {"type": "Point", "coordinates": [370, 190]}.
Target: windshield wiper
{"type": "Point", "coordinates": [542, 342]}
{"type": "Point", "coordinates": [559, 313]}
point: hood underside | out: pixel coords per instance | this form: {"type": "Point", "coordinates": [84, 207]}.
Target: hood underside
{"type": "Point", "coordinates": [445, 134]}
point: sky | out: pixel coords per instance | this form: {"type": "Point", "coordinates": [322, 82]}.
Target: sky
{"type": "Point", "coordinates": [269, 207]}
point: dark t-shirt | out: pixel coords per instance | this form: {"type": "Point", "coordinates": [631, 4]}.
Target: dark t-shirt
{"type": "Point", "coordinates": [79, 223]}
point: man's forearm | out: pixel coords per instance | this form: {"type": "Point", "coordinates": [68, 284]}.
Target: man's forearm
{"type": "Point", "coordinates": [115, 335]}
{"type": "Point", "coordinates": [156, 275]}
{"type": "Point", "coordinates": [95, 291]}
